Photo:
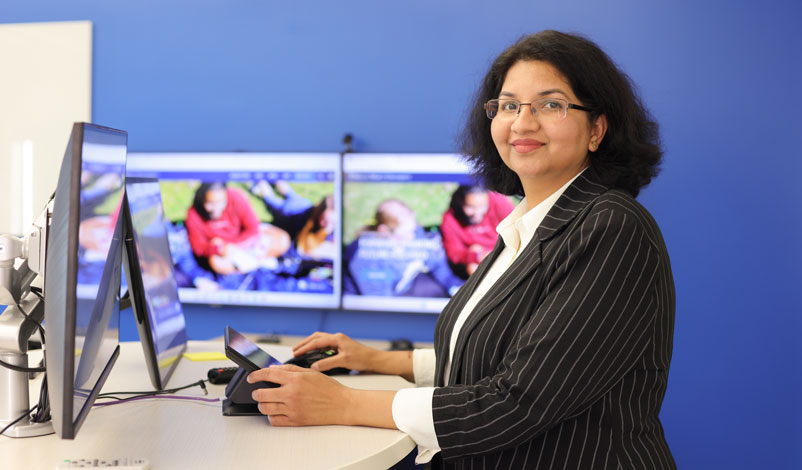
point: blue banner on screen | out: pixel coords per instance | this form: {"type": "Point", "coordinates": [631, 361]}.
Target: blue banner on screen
{"type": "Point", "coordinates": [251, 229]}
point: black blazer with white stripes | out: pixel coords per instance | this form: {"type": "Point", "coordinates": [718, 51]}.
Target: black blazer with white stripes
{"type": "Point", "coordinates": [564, 362]}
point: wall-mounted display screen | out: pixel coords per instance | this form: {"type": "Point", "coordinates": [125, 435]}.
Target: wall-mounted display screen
{"type": "Point", "coordinates": [251, 228]}
{"type": "Point", "coordinates": [414, 227]}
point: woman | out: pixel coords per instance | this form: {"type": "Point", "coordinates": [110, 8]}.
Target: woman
{"type": "Point", "coordinates": [555, 352]}
{"type": "Point", "coordinates": [316, 238]}
{"type": "Point", "coordinates": [397, 257]}
{"type": "Point", "coordinates": [225, 233]}
{"type": "Point", "coordinates": [469, 226]}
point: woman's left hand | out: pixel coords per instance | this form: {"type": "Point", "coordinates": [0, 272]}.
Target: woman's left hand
{"type": "Point", "coordinates": [305, 397]}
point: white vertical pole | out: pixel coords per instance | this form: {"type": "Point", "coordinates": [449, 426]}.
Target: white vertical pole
{"type": "Point", "coordinates": [12, 196]}
{"type": "Point", "coordinates": [27, 186]}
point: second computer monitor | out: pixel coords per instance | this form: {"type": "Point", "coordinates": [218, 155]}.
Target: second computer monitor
{"type": "Point", "coordinates": [251, 228]}
{"type": "Point", "coordinates": [151, 281]}
{"type": "Point", "coordinates": [414, 227]}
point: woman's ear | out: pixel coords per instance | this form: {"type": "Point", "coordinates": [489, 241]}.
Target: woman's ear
{"type": "Point", "coordinates": [597, 130]}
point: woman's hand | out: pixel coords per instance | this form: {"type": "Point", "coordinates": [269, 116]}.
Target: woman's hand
{"type": "Point", "coordinates": [356, 356]}
{"type": "Point", "coordinates": [350, 354]}
{"type": "Point", "coordinates": [305, 397]}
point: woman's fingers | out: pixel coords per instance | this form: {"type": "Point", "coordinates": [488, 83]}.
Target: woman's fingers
{"type": "Point", "coordinates": [271, 409]}
{"type": "Point", "coordinates": [305, 397]}
{"type": "Point", "coordinates": [304, 343]}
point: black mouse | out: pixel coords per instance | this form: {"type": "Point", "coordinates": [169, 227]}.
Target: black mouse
{"type": "Point", "coordinates": [309, 358]}
{"type": "Point", "coordinates": [401, 344]}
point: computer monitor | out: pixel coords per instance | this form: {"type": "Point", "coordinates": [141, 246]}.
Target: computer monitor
{"type": "Point", "coordinates": [151, 281]}
{"type": "Point", "coordinates": [397, 211]}
{"type": "Point", "coordinates": [258, 229]}
{"type": "Point", "coordinates": [82, 273]}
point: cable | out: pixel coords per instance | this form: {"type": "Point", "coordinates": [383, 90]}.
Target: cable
{"type": "Point", "coordinates": [17, 420]}
{"type": "Point", "coordinates": [43, 412]}
{"type": "Point", "coordinates": [38, 325]}
{"type": "Point", "coordinates": [154, 393]}
{"type": "Point", "coordinates": [21, 369]}
{"type": "Point", "coordinates": [38, 292]}
{"type": "Point", "coordinates": [158, 397]}
{"type": "Point", "coordinates": [32, 375]}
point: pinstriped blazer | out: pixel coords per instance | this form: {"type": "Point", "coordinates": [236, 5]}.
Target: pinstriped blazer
{"type": "Point", "coordinates": [564, 362]}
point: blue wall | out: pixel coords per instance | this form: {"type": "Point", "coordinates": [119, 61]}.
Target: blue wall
{"type": "Point", "coordinates": [721, 76]}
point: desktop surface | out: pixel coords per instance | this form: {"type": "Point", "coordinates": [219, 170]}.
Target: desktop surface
{"type": "Point", "coordinates": [175, 434]}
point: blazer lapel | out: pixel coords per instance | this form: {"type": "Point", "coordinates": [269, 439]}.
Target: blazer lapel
{"type": "Point", "coordinates": [454, 307]}
{"type": "Point", "coordinates": [575, 198]}
{"type": "Point", "coordinates": [527, 262]}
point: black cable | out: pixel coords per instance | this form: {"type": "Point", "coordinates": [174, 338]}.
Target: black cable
{"type": "Point", "coordinates": [157, 392]}
{"type": "Point", "coordinates": [38, 325]}
{"type": "Point", "coordinates": [17, 420]}
{"type": "Point", "coordinates": [112, 395]}
{"type": "Point", "coordinates": [21, 369]}
{"type": "Point", "coordinates": [43, 412]}
{"type": "Point", "coordinates": [32, 375]}
{"type": "Point", "coordinates": [38, 292]}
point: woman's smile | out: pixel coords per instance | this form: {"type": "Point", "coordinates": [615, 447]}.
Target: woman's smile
{"type": "Point", "coordinates": [526, 145]}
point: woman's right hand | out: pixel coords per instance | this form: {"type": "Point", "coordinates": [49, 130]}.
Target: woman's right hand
{"type": "Point", "coordinates": [350, 354]}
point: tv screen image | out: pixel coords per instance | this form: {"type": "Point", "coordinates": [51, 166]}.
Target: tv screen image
{"type": "Point", "coordinates": [414, 227]}
{"type": "Point", "coordinates": [251, 229]}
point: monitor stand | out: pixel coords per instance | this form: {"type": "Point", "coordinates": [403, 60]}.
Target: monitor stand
{"type": "Point", "coordinates": [15, 330]}
{"type": "Point", "coordinates": [238, 392]}
{"type": "Point", "coordinates": [15, 402]}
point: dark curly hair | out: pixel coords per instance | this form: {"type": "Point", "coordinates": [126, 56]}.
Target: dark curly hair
{"type": "Point", "coordinates": [458, 200]}
{"type": "Point", "coordinates": [200, 198]}
{"type": "Point", "coordinates": [629, 155]}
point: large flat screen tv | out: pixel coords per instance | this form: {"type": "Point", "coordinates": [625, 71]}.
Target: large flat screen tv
{"type": "Point", "coordinates": [258, 229]}
{"type": "Point", "coordinates": [414, 227]}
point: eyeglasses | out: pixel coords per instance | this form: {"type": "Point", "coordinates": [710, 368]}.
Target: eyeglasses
{"type": "Point", "coordinates": [544, 108]}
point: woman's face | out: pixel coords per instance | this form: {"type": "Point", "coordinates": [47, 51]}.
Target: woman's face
{"type": "Point", "coordinates": [544, 153]}
{"type": "Point", "coordinates": [328, 217]}
{"type": "Point", "coordinates": [215, 203]}
{"type": "Point", "coordinates": [475, 207]}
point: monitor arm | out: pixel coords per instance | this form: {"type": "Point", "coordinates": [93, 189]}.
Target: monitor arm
{"type": "Point", "coordinates": [22, 263]}
{"type": "Point", "coordinates": [21, 266]}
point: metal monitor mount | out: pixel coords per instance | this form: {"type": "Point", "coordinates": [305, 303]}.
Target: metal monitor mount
{"type": "Point", "coordinates": [22, 263]}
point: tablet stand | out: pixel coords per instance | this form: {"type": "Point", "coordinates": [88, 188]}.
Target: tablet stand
{"type": "Point", "coordinates": [238, 392]}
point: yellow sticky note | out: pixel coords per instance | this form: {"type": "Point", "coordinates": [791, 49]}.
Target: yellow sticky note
{"type": "Point", "coordinates": [206, 356]}
{"type": "Point", "coordinates": [166, 362]}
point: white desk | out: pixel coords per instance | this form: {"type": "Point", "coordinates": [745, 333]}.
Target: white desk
{"type": "Point", "coordinates": [179, 434]}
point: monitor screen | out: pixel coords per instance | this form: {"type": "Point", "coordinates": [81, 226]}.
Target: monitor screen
{"type": "Point", "coordinates": [414, 227]}
{"type": "Point", "coordinates": [251, 229]}
{"type": "Point", "coordinates": [151, 280]}
{"type": "Point", "coordinates": [82, 273]}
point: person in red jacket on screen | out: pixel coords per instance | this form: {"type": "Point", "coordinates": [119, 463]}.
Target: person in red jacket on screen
{"type": "Point", "coordinates": [469, 226]}
{"type": "Point", "coordinates": [223, 229]}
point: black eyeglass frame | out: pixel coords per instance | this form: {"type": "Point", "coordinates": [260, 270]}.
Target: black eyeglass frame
{"type": "Point", "coordinates": [568, 105]}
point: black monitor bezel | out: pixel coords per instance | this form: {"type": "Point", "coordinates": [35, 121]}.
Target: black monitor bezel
{"type": "Point", "coordinates": [136, 292]}
{"type": "Point", "coordinates": [62, 387]}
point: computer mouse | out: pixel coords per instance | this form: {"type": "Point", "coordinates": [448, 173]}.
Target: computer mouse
{"type": "Point", "coordinates": [401, 344]}
{"type": "Point", "coordinates": [310, 357]}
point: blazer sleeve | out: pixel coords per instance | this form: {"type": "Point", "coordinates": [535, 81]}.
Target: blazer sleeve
{"type": "Point", "coordinates": [589, 330]}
